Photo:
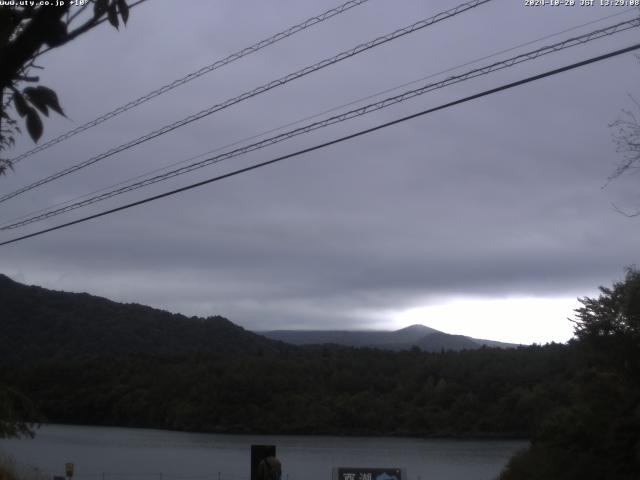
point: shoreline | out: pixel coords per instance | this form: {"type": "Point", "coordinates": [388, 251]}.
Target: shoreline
{"type": "Point", "coordinates": [351, 435]}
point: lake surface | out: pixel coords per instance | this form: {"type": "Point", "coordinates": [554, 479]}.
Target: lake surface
{"type": "Point", "coordinates": [104, 453]}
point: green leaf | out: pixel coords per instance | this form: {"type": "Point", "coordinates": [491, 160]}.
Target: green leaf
{"type": "Point", "coordinates": [112, 15]}
{"type": "Point", "coordinates": [34, 125]}
{"type": "Point", "coordinates": [21, 105]}
{"type": "Point", "coordinates": [99, 8]}
{"type": "Point", "coordinates": [43, 96]}
{"type": "Point", "coordinates": [36, 100]}
{"type": "Point", "coordinates": [124, 10]}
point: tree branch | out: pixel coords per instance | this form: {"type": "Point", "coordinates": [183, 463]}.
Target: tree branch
{"type": "Point", "coordinates": [21, 50]}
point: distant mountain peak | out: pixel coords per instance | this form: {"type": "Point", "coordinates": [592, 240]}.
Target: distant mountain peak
{"type": "Point", "coordinates": [426, 338]}
{"type": "Point", "coordinates": [417, 328]}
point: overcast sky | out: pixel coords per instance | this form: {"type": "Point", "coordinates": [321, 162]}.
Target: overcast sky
{"type": "Point", "coordinates": [486, 219]}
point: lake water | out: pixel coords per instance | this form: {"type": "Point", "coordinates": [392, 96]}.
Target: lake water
{"type": "Point", "coordinates": [103, 453]}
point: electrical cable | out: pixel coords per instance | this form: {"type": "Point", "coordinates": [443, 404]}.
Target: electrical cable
{"type": "Point", "coordinates": [571, 42]}
{"type": "Point", "coordinates": [333, 142]}
{"type": "Point", "coordinates": [264, 88]}
{"type": "Point", "coordinates": [193, 75]}
{"type": "Point", "coordinates": [316, 115]}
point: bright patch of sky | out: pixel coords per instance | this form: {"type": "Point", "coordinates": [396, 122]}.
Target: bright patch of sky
{"type": "Point", "coordinates": [517, 320]}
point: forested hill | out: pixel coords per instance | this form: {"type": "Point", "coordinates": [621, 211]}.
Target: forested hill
{"type": "Point", "coordinates": [579, 403]}
{"type": "Point", "coordinates": [425, 338]}
{"type": "Point", "coordinates": [40, 324]}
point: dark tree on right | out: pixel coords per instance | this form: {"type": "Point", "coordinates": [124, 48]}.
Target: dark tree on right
{"type": "Point", "coordinates": [596, 435]}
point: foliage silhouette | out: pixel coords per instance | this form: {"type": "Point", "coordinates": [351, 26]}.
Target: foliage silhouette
{"type": "Point", "coordinates": [596, 434]}
{"type": "Point", "coordinates": [27, 31]}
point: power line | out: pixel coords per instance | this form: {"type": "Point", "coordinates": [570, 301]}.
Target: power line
{"type": "Point", "coordinates": [339, 118]}
{"type": "Point", "coordinates": [571, 42]}
{"type": "Point", "coordinates": [333, 142]}
{"type": "Point", "coordinates": [198, 73]}
{"type": "Point", "coordinates": [311, 117]}
{"type": "Point", "coordinates": [264, 88]}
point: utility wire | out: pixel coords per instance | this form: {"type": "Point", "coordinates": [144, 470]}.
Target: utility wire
{"type": "Point", "coordinates": [571, 42]}
{"type": "Point", "coordinates": [264, 88]}
{"type": "Point", "coordinates": [311, 117]}
{"type": "Point", "coordinates": [335, 141]}
{"type": "Point", "coordinates": [193, 75]}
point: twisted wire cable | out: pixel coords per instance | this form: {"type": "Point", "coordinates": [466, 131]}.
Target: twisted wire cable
{"type": "Point", "coordinates": [193, 75]}
{"type": "Point", "coordinates": [316, 115]}
{"type": "Point", "coordinates": [262, 89]}
{"type": "Point", "coordinates": [571, 42]}
{"type": "Point", "coordinates": [351, 136]}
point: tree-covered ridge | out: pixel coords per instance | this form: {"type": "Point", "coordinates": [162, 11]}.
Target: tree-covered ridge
{"type": "Point", "coordinates": [579, 403]}
{"type": "Point", "coordinates": [85, 359]}
{"type": "Point", "coordinates": [323, 390]}
{"type": "Point", "coordinates": [426, 338]}
{"type": "Point", "coordinates": [40, 324]}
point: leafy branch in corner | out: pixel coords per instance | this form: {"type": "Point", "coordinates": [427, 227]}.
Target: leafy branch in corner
{"type": "Point", "coordinates": [26, 33]}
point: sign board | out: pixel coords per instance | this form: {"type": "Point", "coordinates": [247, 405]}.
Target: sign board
{"type": "Point", "coordinates": [68, 468]}
{"type": "Point", "coordinates": [353, 473]}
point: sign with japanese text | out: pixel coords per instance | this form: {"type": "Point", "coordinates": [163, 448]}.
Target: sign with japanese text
{"type": "Point", "coordinates": [369, 473]}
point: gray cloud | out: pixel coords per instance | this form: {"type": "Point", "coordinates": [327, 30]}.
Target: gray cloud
{"type": "Point", "coordinates": [498, 197]}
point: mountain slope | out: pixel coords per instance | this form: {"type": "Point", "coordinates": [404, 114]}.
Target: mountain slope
{"type": "Point", "coordinates": [353, 338]}
{"type": "Point", "coordinates": [426, 338]}
{"type": "Point", "coordinates": [37, 323]}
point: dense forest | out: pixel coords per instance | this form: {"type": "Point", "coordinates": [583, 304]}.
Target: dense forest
{"type": "Point", "coordinates": [331, 390]}
{"type": "Point", "coordinates": [86, 359]}
{"type": "Point", "coordinates": [578, 403]}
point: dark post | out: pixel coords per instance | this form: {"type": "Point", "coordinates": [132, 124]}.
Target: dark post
{"type": "Point", "coordinates": [68, 469]}
{"type": "Point", "coordinates": [259, 453]}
